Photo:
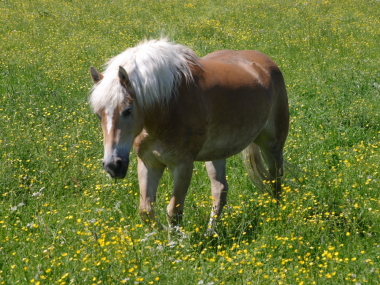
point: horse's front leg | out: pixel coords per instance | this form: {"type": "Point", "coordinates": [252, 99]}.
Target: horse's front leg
{"type": "Point", "coordinates": [217, 173]}
{"type": "Point", "coordinates": [149, 178]}
{"type": "Point", "coordinates": [181, 173]}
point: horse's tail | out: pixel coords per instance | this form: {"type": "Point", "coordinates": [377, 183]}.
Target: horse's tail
{"type": "Point", "coordinates": [254, 165]}
{"type": "Point", "coordinates": [258, 173]}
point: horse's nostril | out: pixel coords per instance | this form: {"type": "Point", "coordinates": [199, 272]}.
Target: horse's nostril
{"type": "Point", "coordinates": [116, 168]}
{"type": "Point", "coordinates": [119, 163]}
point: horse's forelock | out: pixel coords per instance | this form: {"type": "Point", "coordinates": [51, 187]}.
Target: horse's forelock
{"type": "Point", "coordinates": [108, 94]}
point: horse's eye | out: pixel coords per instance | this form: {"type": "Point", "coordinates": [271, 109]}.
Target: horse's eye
{"type": "Point", "coordinates": [127, 112]}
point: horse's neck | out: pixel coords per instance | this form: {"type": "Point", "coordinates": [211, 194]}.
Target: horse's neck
{"type": "Point", "coordinates": [156, 119]}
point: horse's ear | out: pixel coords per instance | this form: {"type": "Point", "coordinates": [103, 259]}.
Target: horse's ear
{"type": "Point", "coordinates": [124, 80]}
{"type": "Point", "coordinates": [96, 75]}
{"type": "Point", "coordinates": [123, 76]}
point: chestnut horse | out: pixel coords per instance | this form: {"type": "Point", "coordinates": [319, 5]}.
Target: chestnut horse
{"type": "Point", "coordinates": [175, 108]}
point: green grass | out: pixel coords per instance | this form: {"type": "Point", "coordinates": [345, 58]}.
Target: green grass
{"type": "Point", "coordinates": [63, 221]}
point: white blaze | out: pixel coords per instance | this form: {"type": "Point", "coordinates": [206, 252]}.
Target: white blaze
{"type": "Point", "coordinates": [109, 115]}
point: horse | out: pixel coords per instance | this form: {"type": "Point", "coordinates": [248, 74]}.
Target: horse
{"type": "Point", "coordinates": [175, 108]}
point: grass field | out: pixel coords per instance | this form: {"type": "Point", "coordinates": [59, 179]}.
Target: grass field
{"type": "Point", "coordinates": [64, 221]}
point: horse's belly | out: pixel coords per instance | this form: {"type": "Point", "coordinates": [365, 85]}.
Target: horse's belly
{"type": "Point", "coordinates": [220, 146]}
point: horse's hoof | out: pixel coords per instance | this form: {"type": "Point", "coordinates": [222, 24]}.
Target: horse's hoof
{"type": "Point", "coordinates": [210, 232]}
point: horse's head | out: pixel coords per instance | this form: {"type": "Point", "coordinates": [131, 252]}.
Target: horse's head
{"type": "Point", "coordinates": [119, 119]}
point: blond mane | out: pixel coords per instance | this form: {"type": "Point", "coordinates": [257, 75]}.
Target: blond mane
{"type": "Point", "coordinates": [155, 69]}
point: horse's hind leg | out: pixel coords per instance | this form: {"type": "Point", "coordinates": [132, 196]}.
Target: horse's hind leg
{"type": "Point", "coordinates": [274, 158]}
{"type": "Point", "coordinates": [271, 142]}
{"type": "Point", "coordinates": [217, 173]}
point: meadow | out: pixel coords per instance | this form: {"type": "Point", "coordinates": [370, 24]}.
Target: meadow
{"type": "Point", "coordinates": [64, 221]}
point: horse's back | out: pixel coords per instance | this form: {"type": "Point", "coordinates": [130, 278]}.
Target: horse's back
{"type": "Point", "coordinates": [241, 57]}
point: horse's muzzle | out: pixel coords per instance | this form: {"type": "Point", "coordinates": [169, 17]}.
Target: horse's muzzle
{"type": "Point", "coordinates": [116, 168]}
